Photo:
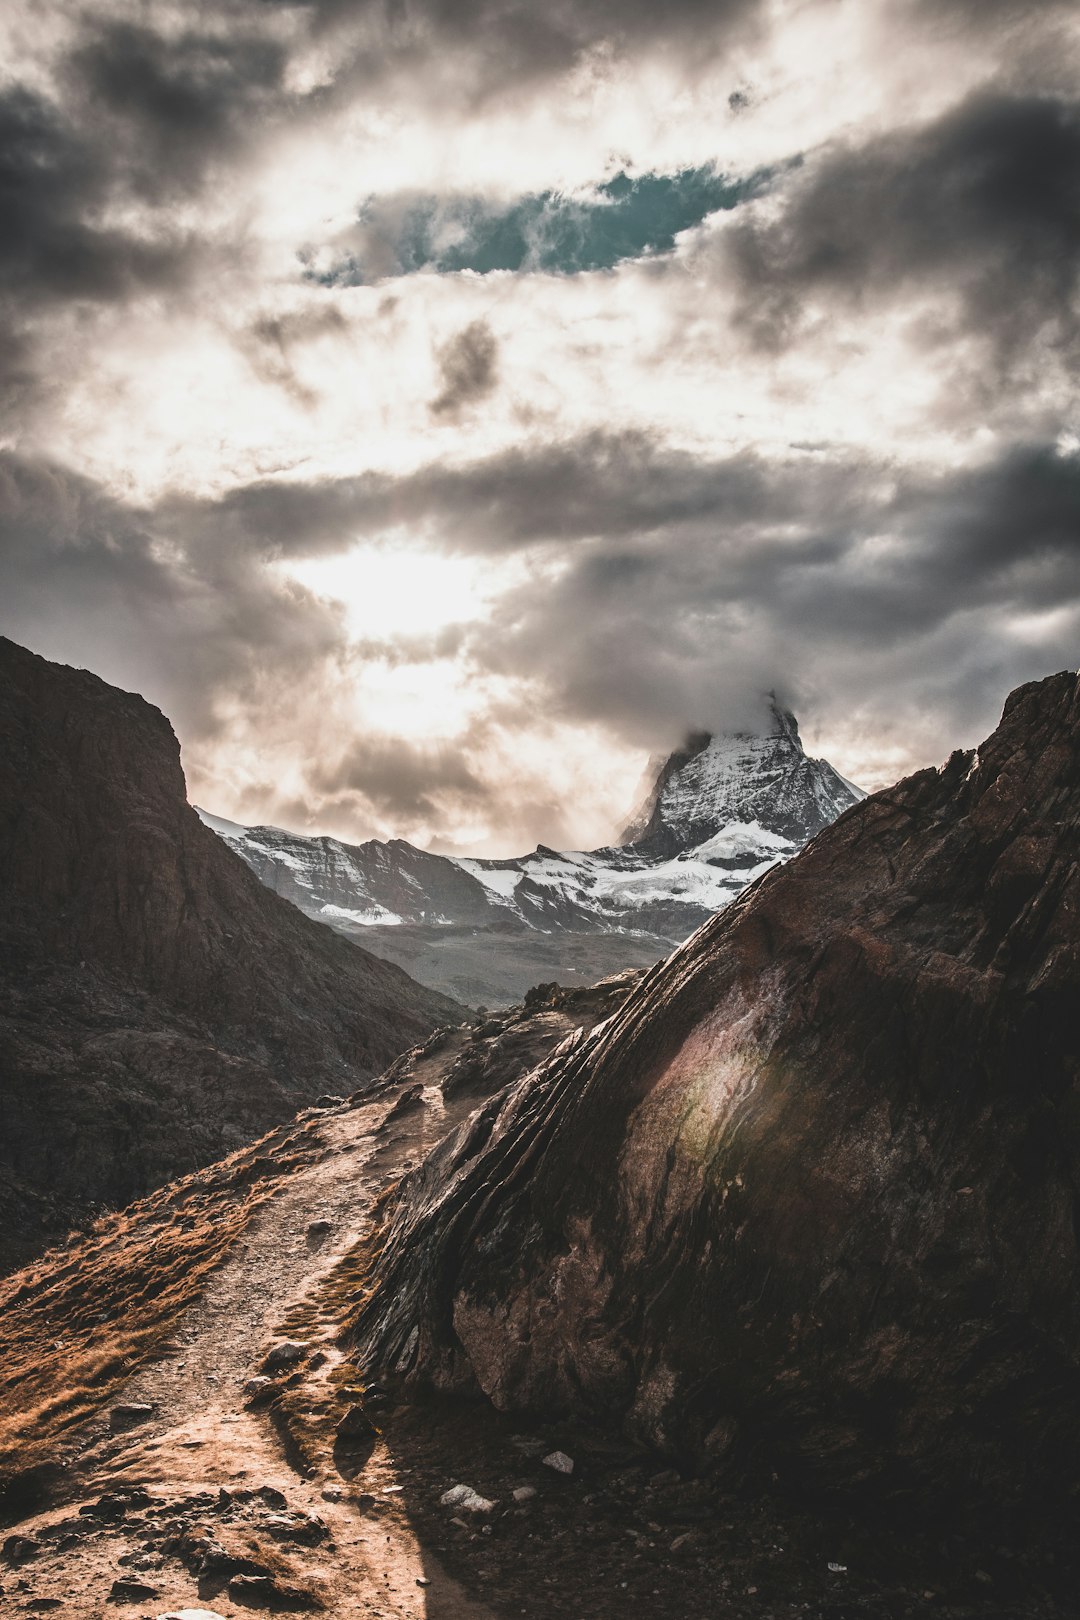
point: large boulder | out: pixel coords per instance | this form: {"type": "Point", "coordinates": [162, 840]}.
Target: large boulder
{"type": "Point", "coordinates": [809, 1198]}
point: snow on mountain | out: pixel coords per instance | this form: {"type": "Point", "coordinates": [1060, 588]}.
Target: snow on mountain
{"type": "Point", "coordinates": [218, 824]}
{"type": "Point", "coordinates": [720, 812]}
{"type": "Point", "coordinates": [761, 778]}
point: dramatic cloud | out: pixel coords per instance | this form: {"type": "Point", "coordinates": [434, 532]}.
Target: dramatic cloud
{"type": "Point", "coordinates": [981, 207]}
{"type": "Point", "coordinates": [90, 580]}
{"type": "Point", "coordinates": [501, 47]}
{"type": "Point", "coordinates": [54, 243]}
{"type": "Point", "coordinates": [692, 617]}
{"type": "Point", "coordinates": [436, 407]}
{"type": "Point", "coordinates": [177, 104]}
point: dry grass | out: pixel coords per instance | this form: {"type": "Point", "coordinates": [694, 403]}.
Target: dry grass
{"type": "Point", "coordinates": [78, 1322]}
{"type": "Point", "coordinates": [308, 1407]}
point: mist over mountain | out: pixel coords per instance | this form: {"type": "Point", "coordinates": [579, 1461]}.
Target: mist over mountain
{"type": "Point", "coordinates": [720, 811]}
{"type": "Point", "coordinates": [760, 777]}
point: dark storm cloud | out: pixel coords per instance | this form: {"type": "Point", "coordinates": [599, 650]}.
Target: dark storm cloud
{"type": "Point", "coordinates": [1007, 535]}
{"type": "Point", "coordinates": [839, 584]}
{"type": "Point", "coordinates": [468, 366]}
{"type": "Point", "coordinates": [981, 206]}
{"type": "Point", "coordinates": [501, 46]}
{"type": "Point", "coordinates": [737, 529]}
{"type": "Point", "coordinates": [402, 780]}
{"type": "Point", "coordinates": [88, 579]}
{"type": "Point", "coordinates": [612, 485]}
{"type": "Point", "coordinates": [546, 231]}
{"type": "Point", "coordinates": [18, 377]}
{"type": "Point", "coordinates": [53, 185]}
{"type": "Point", "coordinates": [677, 580]}
{"type": "Point", "coordinates": [176, 104]}
{"type": "Point", "coordinates": [977, 13]}
{"type": "Point", "coordinates": [679, 588]}
{"type": "Point", "coordinates": [139, 121]}
{"type": "Point", "coordinates": [575, 21]}
{"type": "Point", "coordinates": [140, 116]}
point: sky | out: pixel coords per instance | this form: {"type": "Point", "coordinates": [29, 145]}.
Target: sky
{"type": "Point", "coordinates": [438, 407]}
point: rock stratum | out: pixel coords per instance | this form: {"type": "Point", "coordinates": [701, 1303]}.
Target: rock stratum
{"type": "Point", "coordinates": [718, 813]}
{"type": "Point", "coordinates": [808, 1199]}
{"type": "Point", "coordinates": [159, 1006]}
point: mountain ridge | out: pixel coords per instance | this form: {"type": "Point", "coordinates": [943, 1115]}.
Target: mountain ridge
{"type": "Point", "coordinates": [160, 1007]}
{"type": "Point", "coordinates": [721, 811]}
{"type": "Point", "coordinates": [719, 778]}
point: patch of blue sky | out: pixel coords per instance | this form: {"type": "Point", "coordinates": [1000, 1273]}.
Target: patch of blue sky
{"type": "Point", "coordinates": [554, 232]}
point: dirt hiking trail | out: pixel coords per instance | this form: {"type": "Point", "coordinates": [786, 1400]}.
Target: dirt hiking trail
{"type": "Point", "coordinates": [244, 1467]}
{"type": "Point", "coordinates": [204, 1503]}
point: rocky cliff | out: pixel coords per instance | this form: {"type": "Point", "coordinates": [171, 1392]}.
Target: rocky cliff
{"type": "Point", "coordinates": [808, 1199]}
{"type": "Point", "coordinates": [159, 1006]}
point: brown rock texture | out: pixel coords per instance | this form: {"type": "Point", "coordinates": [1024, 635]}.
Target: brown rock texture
{"type": "Point", "coordinates": [808, 1200]}
{"type": "Point", "coordinates": [158, 1006]}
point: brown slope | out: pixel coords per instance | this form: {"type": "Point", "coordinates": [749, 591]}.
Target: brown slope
{"type": "Point", "coordinates": [178, 1298]}
{"type": "Point", "coordinates": [159, 1006]}
{"type": "Point", "coordinates": [810, 1197]}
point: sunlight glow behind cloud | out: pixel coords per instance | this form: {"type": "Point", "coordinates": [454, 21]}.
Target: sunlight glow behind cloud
{"type": "Point", "coordinates": [391, 587]}
{"type": "Point", "coordinates": [448, 554]}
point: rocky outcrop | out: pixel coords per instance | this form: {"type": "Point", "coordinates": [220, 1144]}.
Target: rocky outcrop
{"type": "Point", "coordinates": [511, 1043]}
{"type": "Point", "coordinates": [159, 1007]}
{"type": "Point", "coordinates": [808, 1199]}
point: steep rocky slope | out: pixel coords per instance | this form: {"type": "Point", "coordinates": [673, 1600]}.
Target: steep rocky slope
{"type": "Point", "coordinates": [719, 812]}
{"type": "Point", "coordinates": [84, 1316]}
{"type": "Point", "coordinates": [159, 1006]}
{"type": "Point", "coordinates": [182, 1426]}
{"type": "Point", "coordinates": [808, 1200]}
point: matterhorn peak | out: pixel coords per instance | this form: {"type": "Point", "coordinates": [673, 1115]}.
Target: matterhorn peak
{"type": "Point", "coordinates": [747, 778]}
{"type": "Point", "coordinates": [783, 722]}
{"type": "Point", "coordinates": [719, 812]}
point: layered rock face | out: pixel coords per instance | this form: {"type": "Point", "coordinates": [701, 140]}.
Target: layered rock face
{"type": "Point", "coordinates": [808, 1199]}
{"type": "Point", "coordinates": [159, 1006]}
{"type": "Point", "coordinates": [718, 813]}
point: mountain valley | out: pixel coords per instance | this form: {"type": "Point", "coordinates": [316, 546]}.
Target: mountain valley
{"type": "Point", "coordinates": [719, 813]}
{"type": "Point", "coordinates": [743, 1285]}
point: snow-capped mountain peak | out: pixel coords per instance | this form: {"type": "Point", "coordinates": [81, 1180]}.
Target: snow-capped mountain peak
{"type": "Point", "coordinates": [715, 780]}
{"type": "Point", "coordinates": [720, 811]}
